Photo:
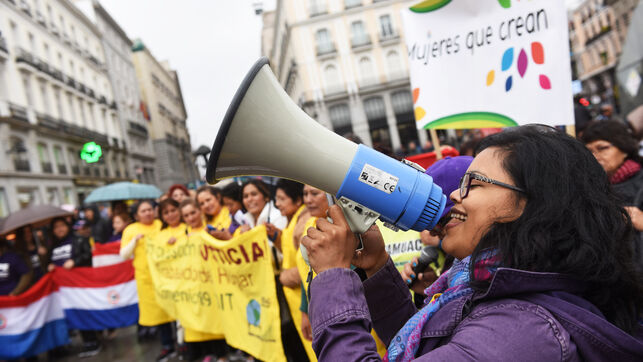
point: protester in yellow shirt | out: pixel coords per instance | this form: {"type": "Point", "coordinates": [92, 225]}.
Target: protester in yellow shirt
{"type": "Point", "coordinates": [135, 237]}
{"type": "Point", "coordinates": [289, 200]}
{"type": "Point", "coordinates": [199, 343]}
{"type": "Point", "coordinates": [217, 217]}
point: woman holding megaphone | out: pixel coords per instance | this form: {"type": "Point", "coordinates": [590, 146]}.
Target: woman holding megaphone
{"type": "Point", "coordinates": [543, 271]}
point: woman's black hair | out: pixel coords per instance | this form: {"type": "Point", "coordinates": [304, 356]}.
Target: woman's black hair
{"type": "Point", "coordinates": [162, 205]}
{"type": "Point", "coordinates": [572, 222]}
{"type": "Point", "coordinates": [293, 189]}
{"type": "Point", "coordinates": [51, 229]}
{"type": "Point", "coordinates": [260, 185]}
{"type": "Point", "coordinates": [615, 132]}
{"type": "Point", "coordinates": [211, 189]}
{"type": "Point", "coordinates": [138, 205]}
{"type": "Point", "coordinates": [232, 191]}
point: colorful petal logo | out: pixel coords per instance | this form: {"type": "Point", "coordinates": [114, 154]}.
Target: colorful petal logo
{"type": "Point", "coordinates": [428, 6]}
{"type": "Point", "coordinates": [472, 120]}
{"type": "Point", "coordinates": [505, 3]}
{"type": "Point", "coordinates": [522, 63]}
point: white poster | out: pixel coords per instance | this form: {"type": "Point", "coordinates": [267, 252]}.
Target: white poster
{"type": "Point", "coordinates": [489, 63]}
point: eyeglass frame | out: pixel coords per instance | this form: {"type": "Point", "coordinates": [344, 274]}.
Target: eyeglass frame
{"type": "Point", "coordinates": [475, 176]}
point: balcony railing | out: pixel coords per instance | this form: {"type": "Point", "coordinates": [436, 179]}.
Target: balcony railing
{"type": "Point", "coordinates": [71, 82]}
{"type": "Point", "coordinates": [318, 8]}
{"type": "Point", "coordinates": [54, 28]}
{"type": "Point", "coordinates": [21, 165]}
{"type": "Point", "coordinates": [57, 74]}
{"type": "Point", "coordinates": [325, 48]}
{"type": "Point", "coordinates": [102, 100]}
{"type": "Point", "coordinates": [352, 3]}
{"type": "Point", "coordinates": [25, 7]}
{"type": "Point", "coordinates": [361, 40]}
{"type": "Point", "coordinates": [3, 44]}
{"type": "Point", "coordinates": [91, 93]}
{"type": "Point", "coordinates": [138, 128]}
{"type": "Point", "coordinates": [392, 35]}
{"type": "Point", "coordinates": [18, 112]}
{"type": "Point", "coordinates": [46, 167]}
{"type": "Point", "coordinates": [41, 19]}
{"type": "Point", "coordinates": [113, 105]}
{"type": "Point", "coordinates": [23, 56]}
{"type": "Point", "coordinates": [62, 169]}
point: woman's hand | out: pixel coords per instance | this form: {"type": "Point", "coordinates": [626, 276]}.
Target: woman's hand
{"type": "Point", "coordinates": [69, 264]}
{"type": "Point", "coordinates": [220, 234]}
{"type": "Point", "coordinates": [373, 257]}
{"type": "Point", "coordinates": [330, 245]}
{"type": "Point", "coordinates": [306, 328]}
{"type": "Point", "coordinates": [636, 215]}
{"type": "Point", "coordinates": [290, 278]}
{"type": "Point", "coordinates": [423, 280]}
{"type": "Point", "coordinates": [171, 241]}
{"type": "Point", "coordinates": [244, 228]}
{"type": "Point", "coordinates": [274, 234]}
{"type": "Point", "coordinates": [138, 237]}
{"type": "Point", "coordinates": [42, 251]}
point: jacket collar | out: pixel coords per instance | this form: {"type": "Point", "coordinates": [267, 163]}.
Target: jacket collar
{"type": "Point", "coordinates": [505, 283]}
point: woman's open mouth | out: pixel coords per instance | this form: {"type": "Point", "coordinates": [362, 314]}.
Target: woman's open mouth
{"type": "Point", "coordinates": [456, 217]}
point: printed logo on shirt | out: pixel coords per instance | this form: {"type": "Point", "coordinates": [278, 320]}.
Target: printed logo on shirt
{"type": "Point", "coordinates": [35, 261]}
{"type": "Point", "coordinates": [61, 252]}
{"type": "Point", "coordinates": [4, 270]}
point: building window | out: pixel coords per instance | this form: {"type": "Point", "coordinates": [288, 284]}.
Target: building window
{"type": "Point", "coordinates": [324, 44]}
{"type": "Point", "coordinates": [52, 197]}
{"type": "Point", "coordinates": [376, 115]}
{"type": "Point", "coordinates": [59, 106]}
{"type": "Point", "coordinates": [352, 3]}
{"type": "Point", "coordinates": [28, 197]}
{"type": "Point", "coordinates": [317, 7]}
{"type": "Point", "coordinates": [19, 154]}
{"type": "Point", "coordinates": [359, 36]}
{"type": "Point", "coordinates": [4, 204]}
{"type": "Point", "coordinates": [43, 156]}
{"type": "Point", "coordinates": [367, 74]}
{"type": "Point", "coordinates": [402, 102]}
{"type": "Point", "coordinates": [60, 160]}
{"type": "Point", "coordinates": [68, 196]}
{"type": "Point", "coordinates": [26, 83]}
{"type": "Point", "coordinates": [332, 79]}
{"type": "Point", "coordinates": [386, 27]}
{"type": "Point", "coordinates": [340, 118]}
{"type": "Point", "coordinates": [394, 65]}
{"type": "Point", "coordinates": [45, 98]}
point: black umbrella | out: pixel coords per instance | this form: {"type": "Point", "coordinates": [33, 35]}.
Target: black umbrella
{"type": "Point", "coordinates": [31, 215]}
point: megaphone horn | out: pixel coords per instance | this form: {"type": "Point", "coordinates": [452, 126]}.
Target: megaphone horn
{"type": "Point", "coordinates": [264, 133]}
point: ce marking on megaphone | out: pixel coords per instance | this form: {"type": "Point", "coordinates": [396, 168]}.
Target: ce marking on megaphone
{"type": "Point", "coordinates": [390, 187]}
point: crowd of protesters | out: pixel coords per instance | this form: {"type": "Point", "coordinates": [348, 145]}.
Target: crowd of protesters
{"type": "Point", "coordinates": [533, 207]}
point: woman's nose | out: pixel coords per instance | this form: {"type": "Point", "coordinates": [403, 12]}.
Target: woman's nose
{"type": "Point", "coordinates": [455, 196]}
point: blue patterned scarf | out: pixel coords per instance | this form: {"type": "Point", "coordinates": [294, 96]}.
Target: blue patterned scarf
{"type": "Point", "coordinates": [450, 286]}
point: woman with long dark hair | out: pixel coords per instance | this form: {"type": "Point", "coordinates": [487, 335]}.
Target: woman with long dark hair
{"type": "Point", "coordinates": [259, 207]}
{"type": "Point", "coordinates": [544, 269]}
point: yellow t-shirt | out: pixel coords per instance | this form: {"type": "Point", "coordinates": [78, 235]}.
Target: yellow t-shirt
{"type": "Point", "coordinates": [303, 272]}
{"type": "Point", "coordinates": [222, 220]}
{"type": "Point", "coordinates": [150, 313]}
{"type": "Point", "coordinates": [293, 295]}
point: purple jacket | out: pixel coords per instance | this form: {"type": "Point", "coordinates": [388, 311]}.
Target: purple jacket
{"type": "Point", "coordinates": [524, 316]}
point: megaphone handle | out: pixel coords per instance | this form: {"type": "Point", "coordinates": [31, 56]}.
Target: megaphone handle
{"type": "Point", "coordinates": [332, 201]}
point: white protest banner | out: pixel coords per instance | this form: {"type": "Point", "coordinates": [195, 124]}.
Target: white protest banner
{"type": "Point", "coordinates": [489, 63]}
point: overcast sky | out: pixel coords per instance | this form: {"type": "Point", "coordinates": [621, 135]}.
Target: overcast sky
{"type": "Point", "coordinates": [211, 44]}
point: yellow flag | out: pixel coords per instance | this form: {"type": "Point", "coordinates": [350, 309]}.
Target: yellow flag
{"type": "Point", "coordinates": [222, 287]}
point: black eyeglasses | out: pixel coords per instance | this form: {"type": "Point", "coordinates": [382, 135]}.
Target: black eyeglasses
{"type": "Point", "coordinates": [465, 183]}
